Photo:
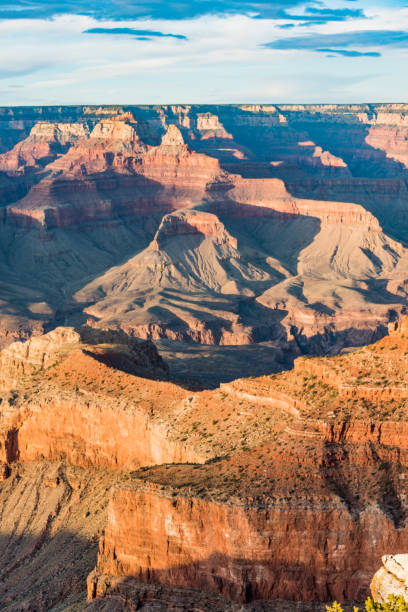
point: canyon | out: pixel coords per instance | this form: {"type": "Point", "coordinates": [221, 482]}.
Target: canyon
{"type": "Point", "coordinates": [281, 492]}
{"type": "Point", "coordinates": [214, 226]}
{"type": "Point", "coordinates": [203, 344]}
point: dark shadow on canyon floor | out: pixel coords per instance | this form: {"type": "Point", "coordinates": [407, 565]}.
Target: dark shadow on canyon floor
{"type": "Point", "coordinates": [129, 595]}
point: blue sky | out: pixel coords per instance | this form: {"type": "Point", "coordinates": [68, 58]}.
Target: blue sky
{"type": "Point", "coordinates": [203, 51]}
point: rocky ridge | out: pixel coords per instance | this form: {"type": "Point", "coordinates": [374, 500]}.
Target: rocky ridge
{"type": "Point", "coordinates": [265, 488]}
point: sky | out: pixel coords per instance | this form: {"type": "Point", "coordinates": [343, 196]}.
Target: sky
{"type": "Point", "coordinates": [203, 51]}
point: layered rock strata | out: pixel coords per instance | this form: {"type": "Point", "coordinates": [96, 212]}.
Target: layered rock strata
{"type": "Point", "coordinates": [296, 462]}
{"type": "Point", "coordinates": [313, 199]}
{"type": "Point", "coordinates": [231, 479]}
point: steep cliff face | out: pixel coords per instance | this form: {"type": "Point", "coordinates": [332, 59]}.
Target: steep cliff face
{"type": "Point", "coordinates": [185, 223]}
{"type": "Point", "coordinates": [298, 460]}
{"type": "Point", "coordinates": [45, 141]}
{"type": "Point", "coordinates": [231, 480]}
{"type": "Point", "coordinates": [51, 518]}
{"type": "Point", "coordinates": [392, 140]}
{"type": "Point", "coordinates": [222, 225]}
{"type": "Point", "coordinates": [58, 402]}
{"type": "Point", "coordinates": [112, 173]}
{"type": "Point", "coordinates": [241, 549]}
{"type": "Point", "coordinates": [239, 534]}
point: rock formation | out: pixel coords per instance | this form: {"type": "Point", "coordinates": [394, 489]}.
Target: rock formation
{"type": "Point", "coordinates": [314, 197]}
{"type": "Point", "coordinates": [311, 202]}
{"type": "Point", "coordinates": [43, 144]}
{"type": "Point", "coordinates": [325, 466]}
{"type": "Point", "coordinates": [391, 578]}
{"type": "Point", "coordinates": [233, 478]}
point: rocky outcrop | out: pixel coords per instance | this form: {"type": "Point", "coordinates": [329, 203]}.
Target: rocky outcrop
{"type": "Point", "coordinates": [231, 479]}
{"type": "Point", "coordinates": [57, 402]}
{"type": "Point", "coordinates": [45, 141]}
{"type": "Point", "coordinates": [172, 141]}
{"type": "Point", "coordinates": [192, 222]}
{"type": "Point", "coordinates": [272, 194]}
{"type": "Point", "coordinates": [247, 547]}
{"type": "Point", "coordinates": [38, 353]}
{"type": "Point", "coordinates": [391, 579]}
{"type": "Point", "coordinates": [392, 140]}
{"type": "Point", "coordinates": [120, 128]}
{"type": "Point", "coordinates": [332, 479]}
{"type": "Point", "coordinates": [184, 175]}
{"type": "Point", "coordinates": [41, 352]}
{"type": "Point", "coordinates": [209, 126]}
{"type": "Point", "coordinates": [88, 429]}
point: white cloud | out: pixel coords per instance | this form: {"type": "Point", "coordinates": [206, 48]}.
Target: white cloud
{"type": "Point", "coordinates": [222, 61]}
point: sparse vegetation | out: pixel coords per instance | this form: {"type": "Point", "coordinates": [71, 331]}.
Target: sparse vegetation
{"type": "Point", "coordinates": [393, 604]}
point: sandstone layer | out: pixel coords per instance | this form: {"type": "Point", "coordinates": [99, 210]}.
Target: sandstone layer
{"type": "Point", "coordinates": [321, 459]}
{"type": "Point", "coordinates": [280, 228]}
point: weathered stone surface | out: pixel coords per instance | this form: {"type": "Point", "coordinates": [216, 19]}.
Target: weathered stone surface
{"type": "Point", "coordinates": [242, 551]}
{"type": "Point", "coordinates": [330, 473]}
{"type": "Point", "coordinates": [391, 579]}
{"type": "Point", "coordinates": [247, 224]}
{"type": "Point", "coordinates": [51, 518]}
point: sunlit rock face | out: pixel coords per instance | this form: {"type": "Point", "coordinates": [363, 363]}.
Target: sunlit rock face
{"type": "Point", "coordinates": [391, 578]}
{"type": "Point", "coordinates": [282, 490]}
{"type": "Point", "coordinates": [300, 508]}
{"type": "Point", "coordinates": [211, 231]}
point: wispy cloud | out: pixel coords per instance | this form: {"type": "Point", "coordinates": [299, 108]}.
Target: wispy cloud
{"type": "Point", "coordinates": [10, 72]}
{"type": "Point", "coordinates": [348, 53]}
{"type": "Point", "coordinates": [139, 34]}
{"type": "Point", "coordinates": [339, 43]}
{"type": "Point", "coordinates": [201, 51]}
{"type": "Point", "coordinates": [320, 16]}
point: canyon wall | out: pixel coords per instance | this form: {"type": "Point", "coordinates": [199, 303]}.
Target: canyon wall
{"type": "Point", "coordinates": [279, 488]}
{"type": "Point", "coordinates": [303, 512]}
{"type": "Point", "coordinates": [244, 552]}
{"type": "Point", "coordinates": [105, 419]}
{"type": "Point", "coordinates": [225, 226]}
